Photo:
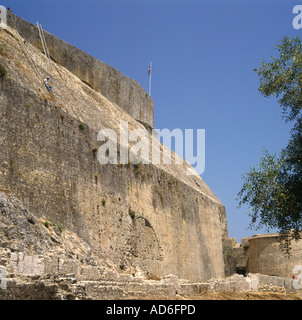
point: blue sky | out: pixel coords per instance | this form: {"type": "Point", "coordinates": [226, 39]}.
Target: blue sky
{"type": "Point", "coordinates": [203, 55]}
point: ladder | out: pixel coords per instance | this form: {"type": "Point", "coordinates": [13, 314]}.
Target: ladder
{"type": "Point", "coordinates": [29, 58]}
{"type": "Point", "coordinates": [41, 33]}
{"type": "Point", "coordinates": [27, 54]}
{"type": "Point", "coordinates": [44, 44]}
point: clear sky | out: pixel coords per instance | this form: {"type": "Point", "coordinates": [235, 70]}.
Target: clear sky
{"type": "Point", "coordinates": [203, 54]}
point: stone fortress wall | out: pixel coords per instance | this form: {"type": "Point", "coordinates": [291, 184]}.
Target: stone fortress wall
{"type": "Point", "coordinates": [137, 218]}
{"type": "Point", "coordinates": [121, 90]}
{"type": "Point", "coordinates": [152, 217]}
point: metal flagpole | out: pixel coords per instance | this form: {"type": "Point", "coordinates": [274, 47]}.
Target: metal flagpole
{"type": "Point", "coordinates": [150, 75]}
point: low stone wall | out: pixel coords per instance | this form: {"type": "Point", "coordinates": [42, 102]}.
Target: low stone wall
{"type": "Point", "coordinates": [252, 283]}
{"type": "Point", "coordinates": [266, 257]}
{"type": "Point", "coordinates": [261, 254]}
{"type": "Point", "coordinates": [70, 287]}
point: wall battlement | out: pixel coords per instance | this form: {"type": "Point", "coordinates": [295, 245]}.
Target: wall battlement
{"type": "Point", "coordinates": [123, 91]}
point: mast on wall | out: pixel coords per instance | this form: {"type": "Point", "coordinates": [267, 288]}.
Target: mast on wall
{"type": "Point", "coordinates": [150, 74]}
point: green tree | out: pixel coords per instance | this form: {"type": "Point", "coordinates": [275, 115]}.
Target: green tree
{"type": "Point", "coordinates": [273, 190]}
{"type": "Point", "coordinates": [282, 77]}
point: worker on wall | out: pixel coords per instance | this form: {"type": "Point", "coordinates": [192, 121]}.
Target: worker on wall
{"type": "Point", "coordinates": [48, 87]}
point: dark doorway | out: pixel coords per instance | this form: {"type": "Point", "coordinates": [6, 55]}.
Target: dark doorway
{"type": "Point", "coordinates": [241, 270]}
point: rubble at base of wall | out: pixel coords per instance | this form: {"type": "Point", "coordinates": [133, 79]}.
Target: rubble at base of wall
{"type": "Point", "coordinates": [39, 262]}
{"type": "Point", "coordinates": [252, 283]}
{"type": "Point", "coordinates": [71, 287]}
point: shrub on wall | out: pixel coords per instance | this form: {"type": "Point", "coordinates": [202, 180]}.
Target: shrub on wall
{"type": "Point", "coordinates": [2, 71]}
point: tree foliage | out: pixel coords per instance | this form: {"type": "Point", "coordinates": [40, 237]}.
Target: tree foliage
{"type": "Point", "coordinates": [273, 190]}
{"type": "Point", "coordinates": [282, 77]}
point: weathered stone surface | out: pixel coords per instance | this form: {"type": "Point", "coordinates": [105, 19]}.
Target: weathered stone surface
{"type": "Point", "coordinates": [266, 257]}
{"type": "Point", "coordinates": [261, 254]}
{"type": "Point", "coordinates": [123, 91]}
{"type": "Point", "coordinates": [252, 283]}
{"type": "Point", "coordinates": [48, 159]}
{"type": "Point", "coordinates": [20, 231]}
{"type": "Point", "coordinates": [104, 232]}
{"type": "Point", "coordinates": [62, 266]}
{"type": "Point", "coordinates": [235, 256]}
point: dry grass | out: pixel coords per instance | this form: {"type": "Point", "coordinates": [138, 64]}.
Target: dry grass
{"type": "Point", "coordinates": [245, 296]}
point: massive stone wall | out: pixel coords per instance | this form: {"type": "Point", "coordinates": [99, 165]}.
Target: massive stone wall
{"type": "Point", "coordinates": [136, 215]}
{"type": "Point", "coordinates": [125, 92]}
{"type": "Point", "coordinates": [156, 218]}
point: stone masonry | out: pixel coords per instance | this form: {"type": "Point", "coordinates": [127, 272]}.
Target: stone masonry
{"type": "Point", "coordinates": [71, 228]}
{"type": "Point", "coordinates": [261, 254]}
{"type": "Point", "coordinates": [124, 92]}
{"type": "Point", "coordinates": [153, 217]}
{"type": "Point", "coordinates": [44, 262]}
